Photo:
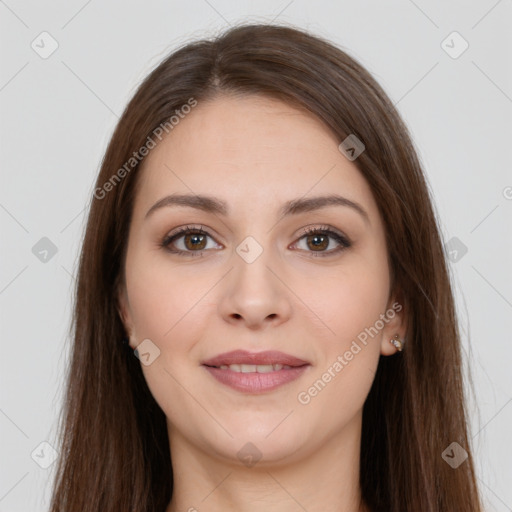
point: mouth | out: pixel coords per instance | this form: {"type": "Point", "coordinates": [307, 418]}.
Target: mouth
{"type": "Point", "coordinates": [243, 358]}
{"type": "Point", "coordinates": [251, 372]}
{"type": "Point", "coordinates": [254, 368]}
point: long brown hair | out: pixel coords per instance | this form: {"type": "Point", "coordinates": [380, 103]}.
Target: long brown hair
{"type": "Point", "coordinates": [114, 452]}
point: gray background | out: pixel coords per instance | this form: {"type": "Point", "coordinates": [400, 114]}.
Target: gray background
{"type": "Point", "coordinates": [57, 114]}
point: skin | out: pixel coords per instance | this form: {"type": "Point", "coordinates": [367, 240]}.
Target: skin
{"type": "Point", "coordinates": [256, 153]}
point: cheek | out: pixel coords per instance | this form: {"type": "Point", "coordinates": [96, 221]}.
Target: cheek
{"type": "Point", "coordinates": [350, 302]}
{"type": "Point", "coordinates": [166, 308]}
{"type": "Point", "coordinates": [163, 297]}
{"type": "Point", "coordinates": [351, 298]}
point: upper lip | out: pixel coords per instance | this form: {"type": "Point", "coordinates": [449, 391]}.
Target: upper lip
{"type": "Point", "coordinates": [256, 358]}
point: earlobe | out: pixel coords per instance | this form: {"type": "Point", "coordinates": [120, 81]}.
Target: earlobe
{"type": "Point", "coordinates": [391, 345]}
{"type": "Point", "coordinates": [397, 342]}
{"type": "Point", "coordinates": [394, 331]}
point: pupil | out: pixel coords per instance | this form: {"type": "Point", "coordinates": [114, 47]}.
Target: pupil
{"type": "Point", "coordinates": [195, 238]}
{"type": "Point", "coordinates": [317, 241]}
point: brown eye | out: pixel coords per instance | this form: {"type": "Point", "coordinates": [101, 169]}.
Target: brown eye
{"type": "Point", "coordinates": [317, 240]}
{"type": "Point", "coordinates": [187, 241]}
{"type": "Point", "coordinates": [195, 241]}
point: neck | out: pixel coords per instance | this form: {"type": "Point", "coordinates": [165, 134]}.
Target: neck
{"type": "Point", "coordinates": [325, 478]}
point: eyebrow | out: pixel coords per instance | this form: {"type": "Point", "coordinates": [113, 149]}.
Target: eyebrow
{"type": "Point", "coordinates": [217, 206]}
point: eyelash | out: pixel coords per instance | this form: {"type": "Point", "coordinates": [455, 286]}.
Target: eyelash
{"type": "Point", "coordinates": [322, 230]}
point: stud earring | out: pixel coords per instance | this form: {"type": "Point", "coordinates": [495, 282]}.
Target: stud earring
{"type": "Point", "coordinates": [397, 342]}
{"type": "Point", "coordinates": [125, 341]}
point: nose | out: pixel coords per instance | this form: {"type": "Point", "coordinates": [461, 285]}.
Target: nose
{"type": "Point", "coordinates": [255, 294]}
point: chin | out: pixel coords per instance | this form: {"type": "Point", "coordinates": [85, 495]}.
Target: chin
{"type": "Point", "coordinates": [261, 442]}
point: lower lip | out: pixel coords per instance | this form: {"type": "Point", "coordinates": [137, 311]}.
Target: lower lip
{"type": "Point", "coordinates": [256, 382]}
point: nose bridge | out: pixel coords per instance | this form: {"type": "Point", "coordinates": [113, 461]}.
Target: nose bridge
{"type": "Point", "coordinates": [256, 250]}
{"type": "Point", "coordinates": [252, 258]}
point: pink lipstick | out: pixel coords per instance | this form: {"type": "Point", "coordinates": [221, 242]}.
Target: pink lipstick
{"type": "Point", "coordinates": [255, 372]}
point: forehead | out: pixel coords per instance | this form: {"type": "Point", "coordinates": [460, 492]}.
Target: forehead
{"type": "Point", "coordinates": [246, 150]}
{"type": "Point", "coordinates": [255, 125]}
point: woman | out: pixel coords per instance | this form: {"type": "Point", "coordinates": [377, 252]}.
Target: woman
{"type": "Point", "coordinates": [262, 239]}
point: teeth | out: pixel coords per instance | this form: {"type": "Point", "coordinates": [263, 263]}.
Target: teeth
{"type": "Point", "coordinates": [254, 368]}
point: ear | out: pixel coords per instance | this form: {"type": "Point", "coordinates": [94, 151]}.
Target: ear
{"type": "Point", "coordinates": [123, 308]}
{"type": "Point", "coordinates": [395, 322]}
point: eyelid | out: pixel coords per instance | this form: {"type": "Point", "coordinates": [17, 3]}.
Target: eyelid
{"type": "Point", "coordinates": [184, 229]}
{"type": "Point", "coordinates": [315, 228]}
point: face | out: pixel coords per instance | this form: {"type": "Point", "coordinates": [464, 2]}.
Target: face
{"type": "Point", "coordinates": [268, 268]}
